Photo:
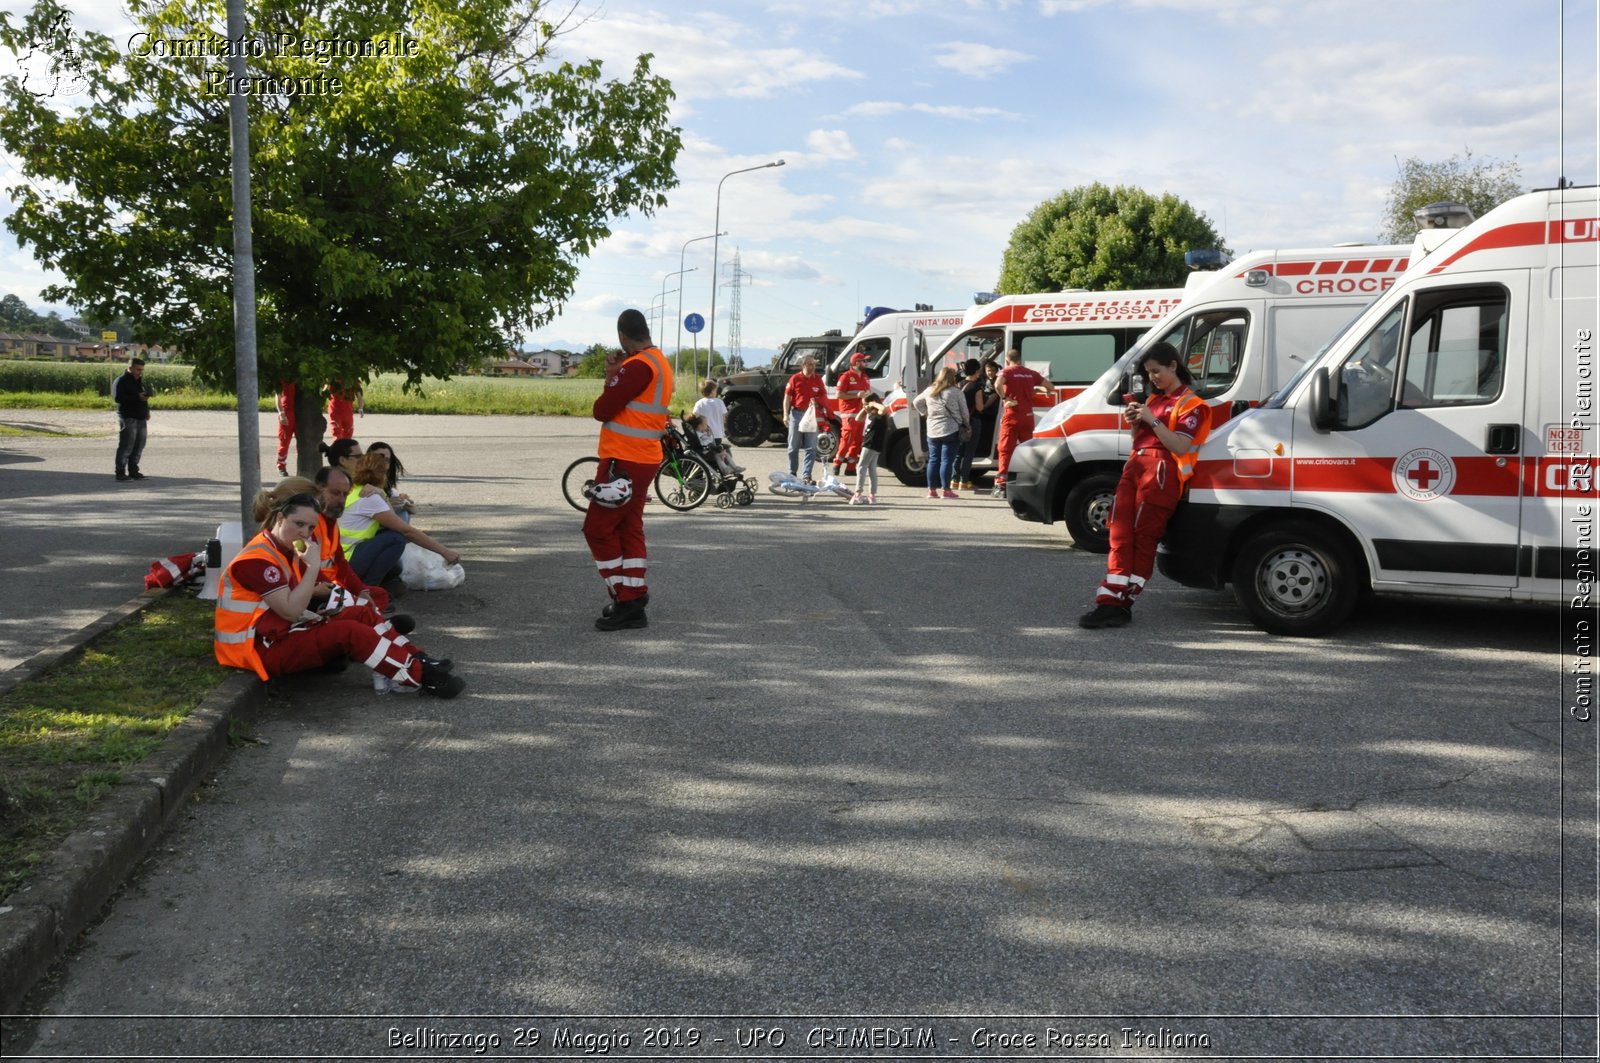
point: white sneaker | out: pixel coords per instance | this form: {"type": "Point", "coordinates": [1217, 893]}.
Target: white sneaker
{"type": "Point", "coordinates": [858, 500]}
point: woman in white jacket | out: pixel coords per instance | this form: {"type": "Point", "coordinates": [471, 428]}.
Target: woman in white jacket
{"type": "Point", "coordinates": [945, 407]}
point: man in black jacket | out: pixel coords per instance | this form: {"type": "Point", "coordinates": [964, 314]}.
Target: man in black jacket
{"type": "Point", "coordinates": [133, 417]}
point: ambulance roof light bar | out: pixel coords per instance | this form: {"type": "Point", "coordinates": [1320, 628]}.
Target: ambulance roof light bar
{"type": "Point", "coordinates": [1446, 214]}
{"type": "Point", "coordinates": [1206, 258]}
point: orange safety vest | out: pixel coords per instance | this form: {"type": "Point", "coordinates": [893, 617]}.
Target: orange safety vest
{"type": "Point", "coordinates": [1185, 461]}
{"type": "Point", "coordinates": [233, 637]}
{"type": "Point", "coordinates": [635, 433]}
{"type": "Point", "coordinates": [328, 529]}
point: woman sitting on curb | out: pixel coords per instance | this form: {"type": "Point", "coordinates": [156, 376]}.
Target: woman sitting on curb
{"type": "Point", "coordinates": [374, 538]}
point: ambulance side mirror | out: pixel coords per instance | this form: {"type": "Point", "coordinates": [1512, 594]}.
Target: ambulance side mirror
{"type": "Point", "coordinates": [1124, 387]}
{"type": "Point", "coordinates": [1320, 401]}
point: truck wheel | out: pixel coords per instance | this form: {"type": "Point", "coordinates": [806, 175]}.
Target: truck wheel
{"type": "Point", "coordinates": [1295, 579]}
{"type": "Point", "coordinates": [748, 424]}
{"type": "Point", "coordinates": [907, 467]}
{"type": "Point", "coordinates": [1088, 511]}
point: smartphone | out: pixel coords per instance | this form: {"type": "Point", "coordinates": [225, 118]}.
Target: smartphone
{"type": "Point", "coordinates": [1128, 397]}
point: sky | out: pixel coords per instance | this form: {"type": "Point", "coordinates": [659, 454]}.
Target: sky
{"type": "Point", "coordinates": [916, 134]}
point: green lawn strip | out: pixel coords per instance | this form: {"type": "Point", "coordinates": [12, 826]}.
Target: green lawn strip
{"type": "Point", "coordinates": [64, 386]}
{"type": "Point", "coordinates": [66, 736]}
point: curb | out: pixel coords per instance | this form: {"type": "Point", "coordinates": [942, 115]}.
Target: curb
{"type": "Point", "coordinates": [43, 918]}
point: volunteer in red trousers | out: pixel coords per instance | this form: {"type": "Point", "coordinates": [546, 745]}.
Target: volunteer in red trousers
{"type": "Point", "coordinates": [854, 386]}
{"type": "Point", "coordinates": [1166, 434]}
{"type": "Point", "coordinates": [1018, 386]}
{"type": "Point", "coordinates": [285, 404]}
{"type": "Point", "coordinates": [262, 622]}
{"type": "Point", "coordinates": [343, 405]}
{"type": "Point", "coordinates": [632, 410]}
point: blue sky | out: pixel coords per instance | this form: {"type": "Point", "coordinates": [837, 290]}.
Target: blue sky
{"type": "Point", "coordinates": [917, 133]}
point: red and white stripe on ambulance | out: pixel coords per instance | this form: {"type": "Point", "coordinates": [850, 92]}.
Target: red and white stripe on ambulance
{"type": "Point", "coordinates": [1356, 276]}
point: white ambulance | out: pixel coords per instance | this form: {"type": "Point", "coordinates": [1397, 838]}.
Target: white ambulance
{"type": "Point", "coordinates": [1068, 337]}
{"type": "Point", "coordinates": [1443, 445]}
{"type": "Point", "coordinates": [884, 340]}
{"type": "Point", "coordinates": [1245, 330]}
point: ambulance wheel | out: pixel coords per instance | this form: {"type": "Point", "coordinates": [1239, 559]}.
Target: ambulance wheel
{"type": "Point", "coordinates": [1088, 511]}
{"type": "Point", "coordinates": [1296, 579]}
{"type": "Point", "coordinates": [749, 424]}
{"type": "Point", "coordinates": [910, 469]}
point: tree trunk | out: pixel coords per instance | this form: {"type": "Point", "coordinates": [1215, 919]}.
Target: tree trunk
{"type": "Point", "coordinates": [310, 426]}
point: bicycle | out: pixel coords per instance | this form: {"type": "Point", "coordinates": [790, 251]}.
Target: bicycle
{"type": "Point", "coordinates": [683, 480]}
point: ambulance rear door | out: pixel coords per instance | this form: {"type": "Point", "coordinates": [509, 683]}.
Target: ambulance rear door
{"type": "Point", "coordinates": [1421, 455]}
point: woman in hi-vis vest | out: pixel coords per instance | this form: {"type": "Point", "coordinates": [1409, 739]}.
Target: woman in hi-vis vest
{"type": "Point", "coordinates": [632, 410]}
{"type": "Point", "coordinates": [1166, 432]}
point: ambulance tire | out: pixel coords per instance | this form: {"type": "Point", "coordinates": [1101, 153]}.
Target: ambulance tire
{"type": "Point", "coordinates": [907, 467]}
{"type": "Point", "coordinates": [1296, 579]}
{"type": "Point", "coordinates": [749, 424]}
{"type": "Point", "coordinates": [1088, 511]}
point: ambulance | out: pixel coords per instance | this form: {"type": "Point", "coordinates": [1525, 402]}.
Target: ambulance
{"type": "Point", "coordinates": [1245, 331]}
{"type": "Point", "coordinates": [884, 339]}
{"type": "Point", "coordinates": [1068, 337]}
{"type": "Point", "coordinates": [1444, 445]}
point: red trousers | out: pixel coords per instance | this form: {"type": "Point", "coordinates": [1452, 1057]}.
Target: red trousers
{"type": "Point", "coordinates": [850, 432]}
{"type": "Point", "coordinates": [342, 418]}
{"type": "Point", "coordinates": [616, 536]}
{"type": "Point", "coordinates": [351, 634]}
{"type": "Point", "coordinates": [285, 434]}
{"type": "Point", "coordinates": [1013, 430]}
{"type": "Point", "coordinates": [1146, 496]}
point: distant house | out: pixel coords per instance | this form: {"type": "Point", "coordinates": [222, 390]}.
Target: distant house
{"type": "Point", "coordinates": [515, 367]}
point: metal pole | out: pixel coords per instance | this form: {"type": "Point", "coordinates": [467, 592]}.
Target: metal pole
{"type": "Point", "coordinates": [711, 342]}
{"type": "Point", "coordinates": [662, 335]}
{"type": "Point", "coordinates": [246, 383]}
{"type": "Point", "coordinates": [678, 347]}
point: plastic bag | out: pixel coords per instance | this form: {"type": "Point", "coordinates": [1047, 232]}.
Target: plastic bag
{"type": "Point", "coordinates": [424, 570]}
{"type": "Point", "coordinates": [808, 420]}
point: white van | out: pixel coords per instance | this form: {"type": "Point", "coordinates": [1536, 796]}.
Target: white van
{"type": "Point", "coordinates": [1245, 329]}
{"type": "Point", "coordinates": [884, 340]}
{"type": "Point", "coordinates": [1443, 445]}
{"type": "Point", "coordinates": [1068, 337]}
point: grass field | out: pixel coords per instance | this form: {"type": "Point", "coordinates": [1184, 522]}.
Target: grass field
{"type": "Point", "coordinates": [66, 736]}
{"type": "Point", "coordinates": [75, 386]}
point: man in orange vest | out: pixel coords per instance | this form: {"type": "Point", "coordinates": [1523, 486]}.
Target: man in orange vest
{"type": "Point", "coordinates": [632, 410]}
{"type": "Point", "coordinates": [1166, 433]}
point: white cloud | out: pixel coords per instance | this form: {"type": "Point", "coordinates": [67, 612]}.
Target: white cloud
{"type": "Point", "coordinates": [887, 108]}
{"type": "Point", "coordinates": [830, 144]}
{"type": "Point", "coordinates": [1227, 12]}
{"type": "Point", "coordinates": [980, 61]}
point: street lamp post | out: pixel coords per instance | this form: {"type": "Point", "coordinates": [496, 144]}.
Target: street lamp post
{"type": "Point", "coordinates": [678, 349]}
{"type": "Point", "coordinates": [711, 343]}
{"type": "Point", "coordinates": [662, 334]}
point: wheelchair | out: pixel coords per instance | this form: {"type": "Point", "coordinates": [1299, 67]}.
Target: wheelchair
{"type": "Point", "coordinates": [731, 489]}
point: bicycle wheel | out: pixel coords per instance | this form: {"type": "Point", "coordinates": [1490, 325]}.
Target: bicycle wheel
{"type": "Point", "coordinates": [573, 479]}
{"type": "Point", "coordinates": [683, 482]}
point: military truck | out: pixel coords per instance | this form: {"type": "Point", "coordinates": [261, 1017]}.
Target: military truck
{"type": "Point", "coordinates": [755, 396]}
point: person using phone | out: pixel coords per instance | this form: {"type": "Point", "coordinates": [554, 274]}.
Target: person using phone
{"type": "Point", "coordinates": [1167, 431]}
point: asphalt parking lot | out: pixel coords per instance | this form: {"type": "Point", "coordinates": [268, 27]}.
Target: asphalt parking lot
{"type": "Point", "coordinates": [861, 764]}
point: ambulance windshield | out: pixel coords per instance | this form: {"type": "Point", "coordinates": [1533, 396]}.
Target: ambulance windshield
{"type": "Point", "coordinates": [1276, 399]}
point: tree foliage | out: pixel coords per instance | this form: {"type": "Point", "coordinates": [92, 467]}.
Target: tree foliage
{"type": "Point", "coordinates": [1104, 239]}
{"type": "Point", "coordinates": [1481, 184]}
{"type": "Point", "coordinates": [436, 204]}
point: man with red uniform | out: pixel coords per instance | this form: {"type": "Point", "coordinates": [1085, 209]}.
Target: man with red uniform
{"type": "Point", "coordinates": [804, 390]}
{"type": "Point", "coordinates": [1166, 433]}
{"type": "Point", "coordinates": [854, 386]}
{"type": "Point", "coordinates": [285, 404]}
{"type": "Point", "coordinates": [343, 405]}
{"type": "Point", "coordinates": [632, 410]}
{"type": "Point", "coordinates": [1018, 386]}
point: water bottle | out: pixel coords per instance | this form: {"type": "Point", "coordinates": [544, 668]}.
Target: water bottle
{"type": "Point", "coordinates": [213, 553]}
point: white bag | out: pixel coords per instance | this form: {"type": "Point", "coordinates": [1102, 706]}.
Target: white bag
{"type": "Point", "coordinates": [808, 420]}
{"type": "Point", "coordinates": [424, 570]}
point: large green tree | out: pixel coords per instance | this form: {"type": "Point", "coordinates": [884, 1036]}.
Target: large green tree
{"type": "Point", "coordinates": [1481, 184]}
{"type": "Point", "coordinates": [412, 209]}
{"type": "Point", "coordinates": [1104, 239]}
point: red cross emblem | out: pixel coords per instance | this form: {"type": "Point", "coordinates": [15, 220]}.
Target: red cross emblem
{"type": "Point", "coordinates": [1423, 475]}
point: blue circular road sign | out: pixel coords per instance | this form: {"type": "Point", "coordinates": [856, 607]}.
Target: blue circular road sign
{"type": "Point", "coordinates": [694, 323]}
